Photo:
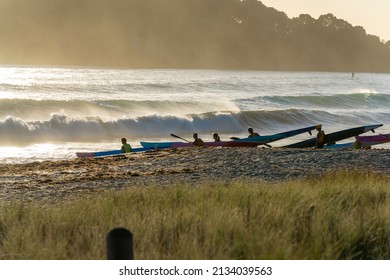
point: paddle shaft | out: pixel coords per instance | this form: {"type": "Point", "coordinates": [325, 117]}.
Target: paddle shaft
{"type": "Point", "coordinates": [174, 135]}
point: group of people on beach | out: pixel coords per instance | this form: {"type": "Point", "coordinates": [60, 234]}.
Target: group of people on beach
{"type": "Point", "coordinates": [199, 142]}
{"type": "Point", "coordinates": [319, 144]}
{"type": "Point", "coordinates": [126, 147]}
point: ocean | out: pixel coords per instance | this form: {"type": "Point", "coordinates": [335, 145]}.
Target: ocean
{"type": "Point", "coordinates": [49, 113]}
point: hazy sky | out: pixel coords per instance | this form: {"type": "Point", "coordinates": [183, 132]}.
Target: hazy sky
{"type": "Point", "coordinates": [372, 15]}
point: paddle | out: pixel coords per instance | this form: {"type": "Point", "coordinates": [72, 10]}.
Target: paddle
{"type": "Point", "coordinates": [174, 135]}
{"type": "Point", "coordinates": [236, 138]}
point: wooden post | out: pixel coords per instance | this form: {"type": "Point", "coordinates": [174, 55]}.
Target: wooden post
{"type": "Point", "coordinates": [120, 244]}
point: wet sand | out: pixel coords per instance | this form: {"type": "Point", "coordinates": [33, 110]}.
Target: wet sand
{"type": "Point", "coordinates": [56, 181]}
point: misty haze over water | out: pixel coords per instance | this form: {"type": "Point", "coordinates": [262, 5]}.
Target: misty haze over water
{"type": "Point", "coordinates": [219, 34]}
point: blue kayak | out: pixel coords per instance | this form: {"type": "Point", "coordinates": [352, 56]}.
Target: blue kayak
{"type": "Point", "coordinates": [108, 153]}
{"type": "Point", "coordinates": [159, 145]}
{"type": "Point", "coordinates": [278, 136]}
{"type": "Point", "coordinates": [243, 142]}
{"type": "Point", "coordinates": [339, 146]}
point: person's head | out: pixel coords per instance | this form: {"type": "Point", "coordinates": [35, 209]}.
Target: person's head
{"type": "Point", "coordinates": [124, 140]}
{"type": "Point", "coordinates": [195, 135]}
{"type": "Point", "coordinates": [250, 130]}
{"type": "Point", "coordinates": [215, 136]}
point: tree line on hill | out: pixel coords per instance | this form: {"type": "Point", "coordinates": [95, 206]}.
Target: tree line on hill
{"type": "Point", "coordinates": [222, 34]}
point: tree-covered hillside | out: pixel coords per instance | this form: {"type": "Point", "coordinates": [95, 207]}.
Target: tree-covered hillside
{"type": "Point", "coordinates": [229, 34]}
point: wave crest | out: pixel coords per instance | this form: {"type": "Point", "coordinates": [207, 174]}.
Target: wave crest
{"type": "Point", "coordinates": [62, 128]}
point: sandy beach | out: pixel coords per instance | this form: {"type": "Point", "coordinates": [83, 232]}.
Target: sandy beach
{"type": "Point", "coordinates": [55, 181]}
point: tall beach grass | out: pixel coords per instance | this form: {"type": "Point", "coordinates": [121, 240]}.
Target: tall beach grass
{"type": "Point", "coordinates": [340, 215]}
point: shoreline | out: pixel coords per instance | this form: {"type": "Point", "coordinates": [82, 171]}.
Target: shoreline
{"type": "Point", "coordinates": [57, 181]}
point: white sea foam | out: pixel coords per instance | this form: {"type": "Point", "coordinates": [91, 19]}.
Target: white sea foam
{"type": "Point", "coordinates": [72, 108]}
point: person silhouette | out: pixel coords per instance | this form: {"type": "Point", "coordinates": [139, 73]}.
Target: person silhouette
{"type": "Point", "coordinates": [126, 148]}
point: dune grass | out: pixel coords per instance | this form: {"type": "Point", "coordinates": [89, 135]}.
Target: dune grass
{"type": "Point", "coordinates": [342, 215]}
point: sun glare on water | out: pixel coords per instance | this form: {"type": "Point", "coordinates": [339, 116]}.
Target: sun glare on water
{"type": "Point", "coordinates": [6, 152]}
{"type": "Point", "coordinates": [34, 152]}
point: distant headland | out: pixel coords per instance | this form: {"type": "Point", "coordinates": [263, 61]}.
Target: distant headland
{"type": "Point", "coordinates": [218, 34]}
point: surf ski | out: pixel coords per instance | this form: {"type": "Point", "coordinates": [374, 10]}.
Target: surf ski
{"type": "Point", "coordinates": [372, 140]}
{"type": "Point", "coordinates": [335, 136]}
{"type": "Point", "coordinates": [107, 153]}
{"type": "Point", "coordinates": [348, 145]}
{"type": "Point", "coordinates": [263, 139]}
{"type": "Point", "coordinates": [240, 142]}
{"type": "Point", "coordinates": [364, 142]}
{"type": "Point", "coordinates": [164, 145]}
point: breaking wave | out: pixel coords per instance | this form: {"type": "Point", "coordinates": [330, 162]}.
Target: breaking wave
{"type": "Point", "coordinates": [63, 128]}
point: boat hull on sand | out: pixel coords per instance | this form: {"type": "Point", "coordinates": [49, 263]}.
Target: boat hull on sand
{"type": "Point", "coordinates": [373, 139]}
{"type": "Point", "coordinates": [107, 153]}
{"type": "Point", "coordinates": [340, 146]}
{"type": "Point", "coordinates": [164, 145]}
{"type": "Point", "coordinates": [243, 142]}
{"type": "Point", "coordinates": [335, 136]}
{"type": "Point", "coordinates": [264, 139]}
{"type": "Point", "coordinates": [365, 142]}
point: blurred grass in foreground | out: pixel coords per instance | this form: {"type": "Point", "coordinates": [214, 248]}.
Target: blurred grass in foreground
{"type": "Point", "coordinates": [341, 215]}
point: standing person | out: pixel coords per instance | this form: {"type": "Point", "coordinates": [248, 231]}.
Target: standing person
{"type": "Point", "coordinates": [251, 133]}
{"type": "Point", "coordinates": [216, 137]}
{"type": "Point", "coordinates": [197, 141]}
{"type": "Point", "coordinates": [320, 138]}
{"type": "Point", "coordinates": [126, 148]}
